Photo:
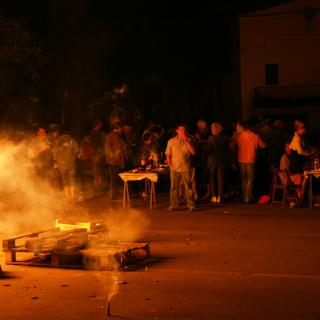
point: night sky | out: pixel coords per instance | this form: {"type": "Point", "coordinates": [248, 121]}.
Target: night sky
{"type": "Point", "coordinates": [173, 56]}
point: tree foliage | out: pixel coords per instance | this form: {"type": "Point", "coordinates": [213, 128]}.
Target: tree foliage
{"type": "Point", "coordinates": [20, 64]}
{"type": "Point", "coordinates": [18, 49]}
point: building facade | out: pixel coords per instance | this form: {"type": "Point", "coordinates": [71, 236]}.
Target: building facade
{"type": "Point", "coordinates": [280, 62]}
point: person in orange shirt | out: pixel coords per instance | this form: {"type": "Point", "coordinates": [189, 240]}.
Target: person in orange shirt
{"type": "Point", "coordinates": [248, 143]}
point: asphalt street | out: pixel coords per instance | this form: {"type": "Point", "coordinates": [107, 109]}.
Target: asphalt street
{"type": "Point", "coordinates": [233, 261]}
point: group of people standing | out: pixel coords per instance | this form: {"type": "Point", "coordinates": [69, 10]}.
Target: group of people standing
{"type": "Point", "coordinates": [95, 160]}
{"type": "Point", "coordinates": [212, 162]}
{"type": "Point", "coordinates": [197, 159]}
{"type": "Point", "coordinates": [204, 164]}
{"type": "Point", "coordinates": [54, 159]}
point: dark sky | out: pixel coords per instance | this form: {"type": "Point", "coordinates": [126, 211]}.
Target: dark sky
{"type": "Point", "coordinates": [91, 45]}
{"type": "Point", "coordinates": [133, 35]}
{"type": "Point", "coordinates": [145, 35]}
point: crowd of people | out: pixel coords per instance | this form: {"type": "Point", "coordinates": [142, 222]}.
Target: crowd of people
{"type": "Point", "coordinates": [206, 163]}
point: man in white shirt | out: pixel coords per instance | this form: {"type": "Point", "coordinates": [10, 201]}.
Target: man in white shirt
{"type": "Point", "coordinates": [178, 153]}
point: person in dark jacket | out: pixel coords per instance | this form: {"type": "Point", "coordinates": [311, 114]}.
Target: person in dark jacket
{"type": "Point", "coordinates": [97, 138]}
{"type": "Point", "coordinates": [41, 155]}
{"type": "Point", "coordinates": [217, 148]}
{"type": "Point", "coordinates": [116, 155]}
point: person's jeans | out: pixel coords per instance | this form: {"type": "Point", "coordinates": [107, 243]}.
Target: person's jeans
{"type": "Point", "coordinates": [175, 178]}
{"type": "Point", "coordinates": [247, 174]}
{"type": "Point", "coordinates": [216, 174]}
{"type": "Point", "coordinates": [115, 181]}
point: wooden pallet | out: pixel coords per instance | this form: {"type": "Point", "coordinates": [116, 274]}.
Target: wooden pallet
{"type": "Point", "coordinates": [36, 248]}
{"type": "Point", "coordinates": [67, 253]}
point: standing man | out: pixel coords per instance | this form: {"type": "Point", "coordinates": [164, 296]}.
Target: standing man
{"type": "Point", "coordinates": [179, 152]}
{"type": "Point", "coordinates": [116, 155]}
{"type": "Point", "coordinates": [97, 139]}
{"type": "Point", "coordinates": [41, 155]}
{"type": "Point", "coordinates": [65, 151]}
{"type": "Point", "coordinates": [248, 143]}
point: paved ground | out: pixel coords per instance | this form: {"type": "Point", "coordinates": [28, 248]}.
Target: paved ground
{"type": "Point", "coordinates": [228, 262]}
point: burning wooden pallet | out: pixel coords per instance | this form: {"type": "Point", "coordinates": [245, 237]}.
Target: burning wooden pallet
{"type": "Point", "coordinates": [84, 246]}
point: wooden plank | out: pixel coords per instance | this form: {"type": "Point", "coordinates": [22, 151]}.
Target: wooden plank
{"type": "Point", "coordinates": [33, 234]}
{"type": "Point", "coordinates": [8, 244]}
{"type": "Point", "coordinates": [10, 257]}
{"type": "Point", "coordinates": [66, 241]}
{"type": "Point", "coordinates": [62, 260]}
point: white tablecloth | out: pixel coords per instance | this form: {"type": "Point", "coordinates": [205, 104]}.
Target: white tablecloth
{"type": "Point", "coordinates": [316, 173]}
{"type": "Point", "coordinates": [137, 176]}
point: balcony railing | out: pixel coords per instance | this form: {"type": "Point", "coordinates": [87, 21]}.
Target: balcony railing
{"type": "Point", "coordinates": [287, 96]}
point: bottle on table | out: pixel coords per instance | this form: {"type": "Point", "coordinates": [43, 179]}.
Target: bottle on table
{"type": "Point", "coordinates": [316, 162]}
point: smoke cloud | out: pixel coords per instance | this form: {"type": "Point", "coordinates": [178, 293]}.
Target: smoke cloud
{"type": "Point", "coordinates": [27, 202]}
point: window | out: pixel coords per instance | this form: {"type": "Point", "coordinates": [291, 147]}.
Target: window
{"type": "Point", "coordinates": [272, 74]}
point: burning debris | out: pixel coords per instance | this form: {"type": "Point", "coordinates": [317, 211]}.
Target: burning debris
{"type": "Point", "coordinates": [73, 245]}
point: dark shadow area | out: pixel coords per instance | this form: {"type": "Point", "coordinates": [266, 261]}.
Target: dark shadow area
{"type": "Point", "coordinates": [7, 275]}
